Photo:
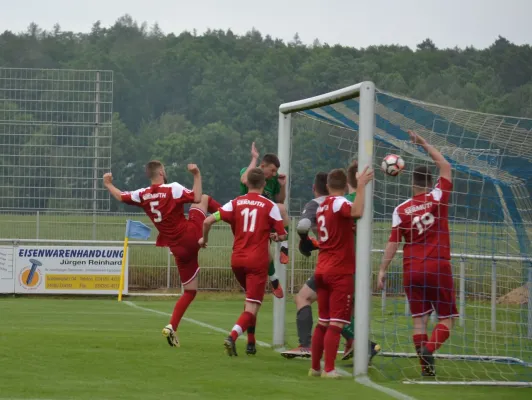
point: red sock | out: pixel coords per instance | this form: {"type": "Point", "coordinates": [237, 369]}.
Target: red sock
{"type": "Point", "coordinates": [439, 335]}
{"type": "Point", "coordinates": [420, 340]}
{"type": "Point", "coordinates": [318, 339]}
{"type": "Point", "coordinates": [242, 324]}
{"type": "Point", "coordinates": [181, 306]}
{"type": "Point", "coordinates": [332, 341]}
{"type": "Point", "coordinates": [213, 205]}
{"type": "Point", "coordinates": [251, 330]}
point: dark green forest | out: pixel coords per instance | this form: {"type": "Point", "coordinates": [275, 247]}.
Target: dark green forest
{"type": "Point", "coordinates": [204, 98]}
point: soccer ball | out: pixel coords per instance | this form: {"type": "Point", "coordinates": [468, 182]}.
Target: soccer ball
{"type": "Point", "coordinates": [392, 164]}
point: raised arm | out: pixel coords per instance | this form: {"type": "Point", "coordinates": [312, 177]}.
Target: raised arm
{"type": "Point", "coordinates": [197, 186]}
{"type": "Point", "coordinates": [441, 163]}
{"type": "Point", "coordinates": [357, 208]}
{"type": "Point", "coordinates": [252, 164]}
{"type": "Point", "coordinates": [108, 183]}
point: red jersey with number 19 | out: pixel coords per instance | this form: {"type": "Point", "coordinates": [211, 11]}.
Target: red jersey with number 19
{"type": "Point", "coordinates": [252, 217]}
{"type": "Point", "coordinates": [337, 241]}
{"type": "Point", "coordinates": [423, 222]}
{"type": "Point", "coordinates": [163, 204]}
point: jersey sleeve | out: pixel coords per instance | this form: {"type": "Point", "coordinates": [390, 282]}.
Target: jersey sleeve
{"type": "Point", "coordinates": [227, 212]}
{"type": "Point", "coordinates": [395, 235]}
{"type": "Point", "coordinates": [442, 191]}
{"type": "Point", "coordinates": [132, 198]}
{"type": "Point", "coordinates": [308, 217]}
{"type": "Point", "coordinates": [243, 188]}
{"type": "Point", "coordinates": [343, 206]}
{"type": "Point", "coordinates": [181, 194]}
{"type": "Point", "coordinates": [276, 221]}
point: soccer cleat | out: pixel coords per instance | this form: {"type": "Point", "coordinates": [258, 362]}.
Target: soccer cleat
{"type": "Point", "coordinates": [348, 350]}
{"type": "Point", "coordinates": [313, 372]}
{"type": "Point", "coordinates": [278, 291]}
{"type": "Point", "coordinates": [427, 360]}
{"type": "Point", "coordinates": [251, 349]}
{"type": "Point", "coordinates": [284, 255]}
{"type": "Point", "coordinates": [230, 346]}
{"type": "Point", "coordinates": [331, 374]}
{"type": "Point", "coordinates": [171, 336]}
{"type": "Point", "coordinates": [303, 352]}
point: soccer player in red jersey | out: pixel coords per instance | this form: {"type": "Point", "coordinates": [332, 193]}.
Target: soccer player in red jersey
{"type": "Point", "coordinates": [334, 275]}
{"type": "Point", "coordinates": [422, 222]}
{"type": "Point", "coordinates": [163, 203]}
{"type": "Point", "coordinates": [252, 218]}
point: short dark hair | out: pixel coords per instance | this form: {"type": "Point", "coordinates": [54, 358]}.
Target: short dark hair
{"type": "Point", "coordinates": [320, 183]}
{"type": "Point", "coordinates": [337, 179]}
{"type": "Point", "coordinates": [352, 174]}
{"type": "Point", "coordinates": [152, 168]}
{"type": "Point", "coordinates": [256, 178]}
{"type": "Point", "coordinates": [271, 159]}
{"type": "Point", "coordinates": [422, 177]}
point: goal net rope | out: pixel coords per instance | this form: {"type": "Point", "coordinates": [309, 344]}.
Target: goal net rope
{"type": "Point", "coordinates": [490, 218]}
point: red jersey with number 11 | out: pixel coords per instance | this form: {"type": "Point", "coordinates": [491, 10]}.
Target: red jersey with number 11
{"type": "Point", "coordinates": [164, 205]}
{"type": "Point", "coordinates": [337, 240]}
{"type": "Point", "coordinates": [252, 217]}
{"type": "Point", "coordinates": [423, 222]}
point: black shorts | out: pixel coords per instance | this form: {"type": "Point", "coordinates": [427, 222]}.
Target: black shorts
{"type": "Point", "coordinates": [311, 283]}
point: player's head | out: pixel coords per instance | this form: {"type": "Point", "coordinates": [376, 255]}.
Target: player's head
{"type": "Point", "coordinates": [352, 174]}
{"type": "Point", "coordinates": [155, 172]}
{"type": "Point", "coordinates": [269, 165]}
{"type": "Point", "coordinates": [421, 179]}
{"type": "Point", "coordinates": [256, 180]}
{"type": "Point", "coordinates": [320, 184]}
{"type": "Point", "coordinates": [337, 182]}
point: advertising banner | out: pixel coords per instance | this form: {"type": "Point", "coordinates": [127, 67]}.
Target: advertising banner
{"type": "Point", "coordinates": [68, 270]}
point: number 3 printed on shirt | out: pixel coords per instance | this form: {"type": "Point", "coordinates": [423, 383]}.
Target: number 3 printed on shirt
{"type": "Point", "coordinates": [158, 217]}
{"type": "Point", "coordinates": [324, 234]}
{"type": "Point", "coordinates": [423, 223]}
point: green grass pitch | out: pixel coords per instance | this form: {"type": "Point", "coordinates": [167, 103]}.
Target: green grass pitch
{"type": "Point", "coordinates": [101, 349]}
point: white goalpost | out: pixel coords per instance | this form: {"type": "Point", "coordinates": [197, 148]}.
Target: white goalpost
{"type": "Point", "coordinates": [490, 221]}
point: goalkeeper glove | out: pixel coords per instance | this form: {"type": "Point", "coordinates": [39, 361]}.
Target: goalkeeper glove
{"type": "Point", "coordinates": [307, 245]}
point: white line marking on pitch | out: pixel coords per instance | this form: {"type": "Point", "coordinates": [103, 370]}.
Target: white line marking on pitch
{"type": "Point", "coordinates": [363, 381]}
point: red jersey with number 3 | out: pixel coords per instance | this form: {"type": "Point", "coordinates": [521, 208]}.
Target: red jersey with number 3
{"type": "Point", "coordinates": [423, 222]}
{"type": "Point", "coordinates": [337, 240]}
{"type": "Point", "coordinates": [164, 205]}
{"type": "Point", "coordinates": [252, 218]}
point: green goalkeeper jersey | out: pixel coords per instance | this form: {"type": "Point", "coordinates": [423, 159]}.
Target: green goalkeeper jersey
{"type": "Point", "coordinates": [351, 196]}
{"type": "Point", "coordinates": [272, 188]}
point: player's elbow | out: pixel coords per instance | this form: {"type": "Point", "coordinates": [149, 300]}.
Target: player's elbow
{"type": "Point", "coordinates": [445, 170]}
{"type": "Point", "coordinates": [244, 180]}
{"type": "Point", "coordinates": [357, 213]}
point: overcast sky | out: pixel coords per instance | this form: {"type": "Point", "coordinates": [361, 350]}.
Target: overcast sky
{"type": "Point", "coordinates": [357, 23]}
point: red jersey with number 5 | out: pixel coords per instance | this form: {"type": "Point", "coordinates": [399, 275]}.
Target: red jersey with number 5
{"type": "Point", "coordinates": [423, 222]}
{"type": "Point", "coordinates": [164, 205]}
{"type": "Point", "coordinates": [337, 240]}
{"type": "Point", "coordinates": [252, 218]}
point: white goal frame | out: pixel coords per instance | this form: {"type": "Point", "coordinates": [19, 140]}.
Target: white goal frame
{"type": "Point", "coordinates": [365, 91]}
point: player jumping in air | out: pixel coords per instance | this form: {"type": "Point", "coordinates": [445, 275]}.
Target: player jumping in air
{"type": "Point", "coordinates": [422, 222]}
{"type": "Point", "coordinates": [163, 203]}
{"type": "Point", "coordinates": [307, 294]}
{"type": "Point", "coordinates": [252, 218]}
{"type": "Point", "coordinates": [274, 190]}
{"type": "Point", "coordinates": [335, 270]}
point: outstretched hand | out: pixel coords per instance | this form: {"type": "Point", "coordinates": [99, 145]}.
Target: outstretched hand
{"type": "Point", "coordinates": [107, 179]}
{"type": "Point", "coordinates": [416, 139]}
{"type": "Point", "coordinates": [254, 151]}
{"type": "Point", "coordinates": [193, 169]}
{"type": "Point", "coordinates": [365, 176]}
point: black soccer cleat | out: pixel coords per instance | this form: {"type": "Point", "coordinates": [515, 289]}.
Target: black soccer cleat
{"type": "Point", "coordinates": [230, 346]}
{"type": "Point", "coordinates": [427, 360]}
{"type": "Point", "coordinates": [251, 349]}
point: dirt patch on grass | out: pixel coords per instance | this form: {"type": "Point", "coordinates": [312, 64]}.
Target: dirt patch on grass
{"type": "Point", "coordinates": [515, 297]}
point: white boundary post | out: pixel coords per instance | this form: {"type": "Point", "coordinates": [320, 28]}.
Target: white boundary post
{"type": "Point", "coordinates": [365, 225]}
{"type": "Point", "coordinates": [279, 305]}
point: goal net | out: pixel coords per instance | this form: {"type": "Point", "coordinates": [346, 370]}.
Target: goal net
{"type": "Point", "coordinates": [490, 218]}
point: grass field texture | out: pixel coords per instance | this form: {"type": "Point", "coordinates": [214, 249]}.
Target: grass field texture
{"type": "Point", "coordinates": [101, 349]}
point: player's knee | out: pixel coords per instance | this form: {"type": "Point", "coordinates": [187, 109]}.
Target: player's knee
{"type": "Point", "coordinates": [301, 301]}
{"type": "Point", "coordinates": [338, 324]}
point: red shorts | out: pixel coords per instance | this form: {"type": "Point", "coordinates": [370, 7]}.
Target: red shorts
{"type": "Point", "coordinates": [429, 288]}
{"type": "Point", "coordinates": [253, 281]}
{"type": "Point", "coordinates": [186, 250]}
{"type": "Point", "coordinates": [335, 297]}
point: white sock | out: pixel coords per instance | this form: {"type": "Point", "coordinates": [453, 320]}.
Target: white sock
{"type": "Point", "coordinates": [284, 243]}
{"type": "Point", "coordinates": [238, 329]}
{"type": "Point", "coordinates": [273, 277]}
